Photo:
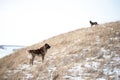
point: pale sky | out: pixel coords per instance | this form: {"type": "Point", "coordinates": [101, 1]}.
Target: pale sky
{"type": "Point", "coordinates": [26, 22]}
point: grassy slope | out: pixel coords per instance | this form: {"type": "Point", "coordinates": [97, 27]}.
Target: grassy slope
{"type": "Point", "coordinates": [70, 53]}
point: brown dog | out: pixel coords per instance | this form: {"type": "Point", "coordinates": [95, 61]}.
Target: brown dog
{"type": "Point", "coordinates": [38, 52]}
{"type": "Point", "coordinates": [93, 23]}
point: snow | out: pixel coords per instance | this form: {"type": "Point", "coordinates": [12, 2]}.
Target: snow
{"type": "Point", "coordinates": [75, 73]}
{"type": "Point", "coordinates": [72, 78]}
{"type": "Point", "coordinates": [92, 65]}
{"type": "Point", "coordinates": [76, 68]}
{"type": "Point", "coordinates": [99, 68]}
{"type": "Point", "coordinates": [103, 50]}
{"type": "Point", "coordinates": [67, 77]}
{"type": "Point", "coordinates": [97, 39]}
{"type": "Point", "coordinates": [28, 76]}
{"type": "Point", "coordinates": [24, 67]}
{"type": "Point", "coordinates": [101, 79]}
{"type": "Point", "coordinates": [95, 65]}
{"type": "Point", "coordinates": [51, 70]}
{"type": "Point", "coordinates": [87, 65]}
{"type": "Point", "coordinates": [8, 49]}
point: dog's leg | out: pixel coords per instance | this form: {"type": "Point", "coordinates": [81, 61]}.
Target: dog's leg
{"type": "Point", "coordinates": [30, 56]}
{"type": "Point", "coordinates": [91, 24]}
{"type": "Point", "coordinates": [43, 58]}
{"type": "Point", "coordinates": [32, 60]}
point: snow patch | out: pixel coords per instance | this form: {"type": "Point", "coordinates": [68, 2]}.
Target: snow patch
{"type": "Point", "coordinates": [28, 76]}
{"type": "Point", "coordinates": [24, 67]}
{"type": "Point", "coordinates": [51, 70]}
{"type": "Point", "coordinates": [101, 79]}
{"type": "Point", "coordinates": [76, 68]}
{"type": "Point", "coordinates": [8, 49]}
{"type": "Point", "coordinates": [72, 78]}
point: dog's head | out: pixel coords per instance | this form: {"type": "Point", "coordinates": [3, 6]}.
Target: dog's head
{"type": "Point", "coordinates": [90, 21]}
{"type": "Point", "coordinates": [47, 46]}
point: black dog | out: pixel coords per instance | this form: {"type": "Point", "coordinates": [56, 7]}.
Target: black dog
{"type": "Point", "coordinates": [39, 52]}
{"type": "Point", "coordinates": [93, 23]}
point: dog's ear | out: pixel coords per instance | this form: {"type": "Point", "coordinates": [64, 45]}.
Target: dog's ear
{"type": "Point", "coordinates": [47, 46]}
{"type": "Point", "coordinates": [90, 21]}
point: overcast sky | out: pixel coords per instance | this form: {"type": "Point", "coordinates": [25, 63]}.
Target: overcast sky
{"type": "Point", "coordinates": [26, 22]}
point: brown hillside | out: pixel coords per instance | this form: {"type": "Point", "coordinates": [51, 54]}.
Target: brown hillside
{"type": "Point", "coordinates": [83, 54]}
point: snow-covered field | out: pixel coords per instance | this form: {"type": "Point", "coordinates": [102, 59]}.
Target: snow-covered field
{"type": "Point", "coordinates": [97, 68]}
{"type": "Point", "coordinates": [8, 49]}
{"type": "Point", "coordinates": [102, 67]}
{"type": "Point", "coordinates": [86, 54]}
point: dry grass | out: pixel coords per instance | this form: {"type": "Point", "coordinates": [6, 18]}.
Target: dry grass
{"type": "Point", "coordinates": [68, 50]}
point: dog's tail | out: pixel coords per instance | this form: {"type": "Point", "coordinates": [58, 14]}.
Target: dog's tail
{"type": "Point", "coordinates": [29, 54]}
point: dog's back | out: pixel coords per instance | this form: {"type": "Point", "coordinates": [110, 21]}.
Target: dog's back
{"type": "Point", "coordinates": [36, 51]}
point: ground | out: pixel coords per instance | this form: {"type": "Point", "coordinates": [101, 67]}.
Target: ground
{"type": "Point", "coordinates": [83, 54]}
